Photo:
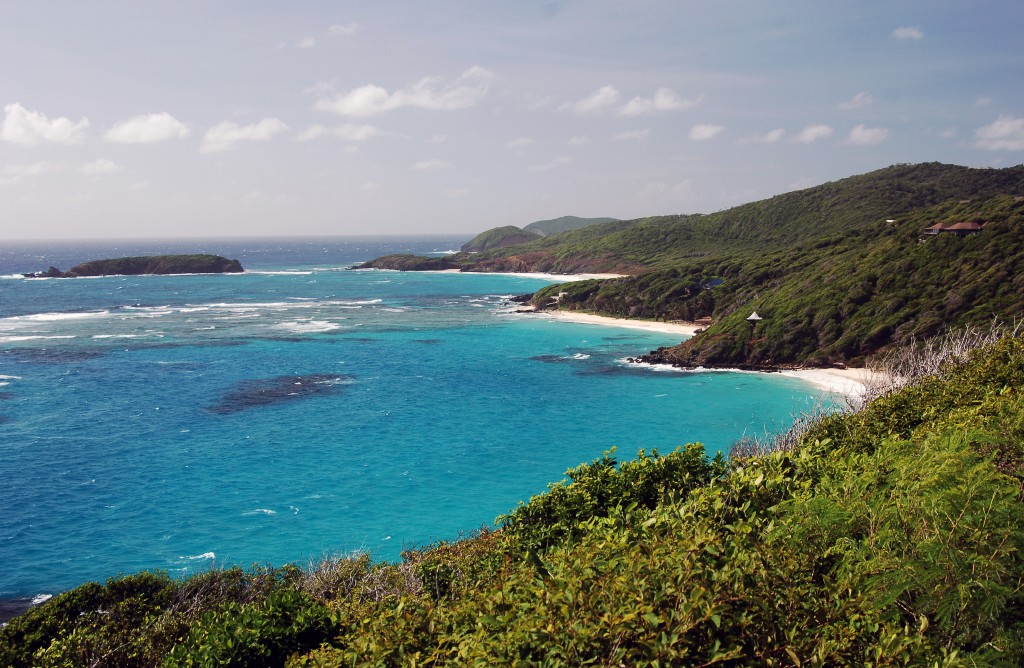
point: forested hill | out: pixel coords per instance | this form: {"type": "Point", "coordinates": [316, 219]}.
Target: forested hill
{"type": "Point", "coordinates": [836, 300]}
{"type": "Point", "coordinates": [830, 211]}
{"type": "Point", "coordinates": [838, 271]}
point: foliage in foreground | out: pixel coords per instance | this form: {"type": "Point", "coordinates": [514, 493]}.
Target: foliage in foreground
{"type": "Point", "coordinates": [887, 537]}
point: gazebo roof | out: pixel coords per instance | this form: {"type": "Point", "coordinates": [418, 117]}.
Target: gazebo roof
{"type": "Point", "coordinates": [754, 317]}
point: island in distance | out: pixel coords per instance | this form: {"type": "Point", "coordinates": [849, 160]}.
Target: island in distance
{"type": "Point", "coordinates": [151, 264]}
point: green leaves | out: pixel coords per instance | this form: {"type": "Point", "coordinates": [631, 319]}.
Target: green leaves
{"type": "Point", "coordinates": [888, 537]}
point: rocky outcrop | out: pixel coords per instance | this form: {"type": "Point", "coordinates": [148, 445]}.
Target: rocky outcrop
{"type": "Point", "coordinates": [147, 264]}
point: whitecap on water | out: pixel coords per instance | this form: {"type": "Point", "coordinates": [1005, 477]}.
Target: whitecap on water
{"type": "Point", "coordinates": [195, 557]}
{"type": "Point", "coordinates": [308, 326]}
{"type": "Point", "coordinates": [46, 317]}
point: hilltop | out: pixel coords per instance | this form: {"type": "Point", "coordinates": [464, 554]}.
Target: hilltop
{"type": "Point", "coordinates": [564, 224]}
{"type": "Point", "coordinates": [510, 235]}
{"type": "Point", "coordinates": [839, 271]}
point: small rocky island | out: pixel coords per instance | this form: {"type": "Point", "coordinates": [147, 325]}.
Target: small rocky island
{"type": "Point", "coordinates": [147, 264]}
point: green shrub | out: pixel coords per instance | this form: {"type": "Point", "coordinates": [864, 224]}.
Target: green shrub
{"type": "Point", "coordinates": [256, 634]}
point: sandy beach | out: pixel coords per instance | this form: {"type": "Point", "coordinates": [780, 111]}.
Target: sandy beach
{"type": "Point", "coordinates": [850, 382]}
{"type": "Point", "coordinates": [684, 329]}
{"type": "Point", "coordinates": [563, 278]}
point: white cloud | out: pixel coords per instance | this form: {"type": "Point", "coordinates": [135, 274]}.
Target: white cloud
{"type": "Point", "coordinates": [346, 132]}
{"type": "Point", "coordinates": [100, 167]}
{"type": "Point", "coordinates": [705, 131]}
{"type": "Point", "coordinates": [456, 192]}
{"type": "Point", "coordinates": [437, 139]}
{"type": "Point", "coordinates": [579, 140]}
{"type": "Point", "coordinates": [147, 129]}
{"type": "Point", "coordinates": [632, 135]}
{"type": "Point", "coordinates": [370, 187]}
{"type": "Point", "coordinates": [983, 101]}
{"type": "Point", "coordinates": [424, 165]}
{"type": "Point", "coordinates": [664, 99]}
{"type": "Point", "coordinates": [813, 133]}
{"type": "Point", "coordinates": [339, 29]}
{"type": "Point", "coordinates": [15, 173]}
{"type": "Point", "coordinates": [858, 101]}
{"type": "Point", "coordinates": [948, 133]}
{"type": "Point", "coordinates": [908, 32]}
{"type": "Point", "coordinates": [557, 162]}
{"type": "Point", "coordinates": [428, 93]}
{"type": "Point", "coordinates": [1006, 133]}
{"type": "Point", "coordinates": [223, 136]}
{"type": "Point", "coordinates": [862, 135]}
{"type": "Point", "coordinates": [29, 128]}
{"type": "Point", "coordinates": [306, 43]}
{"type": "Point", "coordinates": [601, 98]}
{"type": "Point", "coordinates": [518, 143]}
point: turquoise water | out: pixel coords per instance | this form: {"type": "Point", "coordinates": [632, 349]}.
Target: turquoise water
{"type": "Point", "coordinates": [301, 409]}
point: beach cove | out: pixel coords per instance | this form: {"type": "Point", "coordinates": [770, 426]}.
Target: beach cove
{"type": "Point", "coordinates": [300, 409]}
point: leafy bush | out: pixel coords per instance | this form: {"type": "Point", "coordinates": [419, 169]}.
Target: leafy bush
{"type": "Point", "coordinates": [596, 489]}
{"type": "Point", "coordinates": [255, 634]}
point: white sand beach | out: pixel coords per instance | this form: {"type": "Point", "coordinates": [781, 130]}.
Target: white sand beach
{"type": "Point", "coordinates": [564, 278]}
{"type": "Point", "coordinates": [850, 382]}
{"type": "Point", "coordinates": [685, 329]}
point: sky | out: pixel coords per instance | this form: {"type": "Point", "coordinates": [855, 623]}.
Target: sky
{"type": "Point", "coordinates": [207, 118]}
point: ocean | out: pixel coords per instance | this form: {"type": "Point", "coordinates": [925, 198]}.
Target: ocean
{"type": "Point", "coordinates": [302, 410]}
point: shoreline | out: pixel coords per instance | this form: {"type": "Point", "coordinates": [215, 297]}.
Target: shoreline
{"type": "Point", "coordinates": [562, 278]}
{"type": "Point", "coordinates": [687, 329]}
{"type": "Point", "coordinates": [851, 382]}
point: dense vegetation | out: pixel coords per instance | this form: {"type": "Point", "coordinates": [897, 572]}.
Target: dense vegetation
{"type": "Point", "coordinates": [499, 237]}
{"type": "Point", "coordinates": [887, 536]}
{"type": "Point", "coordinates": [836, 300]}
{"type": "Point", "coordinates": [834, 279]}
{"type": "Point", "coordinates": [510, 235]}
{"type": "Point", "coordinates": [150, 264]}
{"type": "Point", "coordinates": [563, 224]}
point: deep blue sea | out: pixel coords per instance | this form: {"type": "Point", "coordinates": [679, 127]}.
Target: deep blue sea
{"type": "Point", "coordinates": [301, 409]}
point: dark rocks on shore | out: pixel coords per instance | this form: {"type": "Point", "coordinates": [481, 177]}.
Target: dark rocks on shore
{"type": "Point", "coordinates": [12, 607]}
{"type": "Point", "coordinates": [148, 264]}
{"type": "Point", "coordinates": [664, 356]}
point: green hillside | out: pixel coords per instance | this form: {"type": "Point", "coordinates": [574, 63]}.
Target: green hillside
{"type": "Point", "coordinates": [889, 536]}
{"type": "Point", "coordinates": [499, 237]}
{"type": "Point", "coordinates": [829, 211]}
{"type": "Point", "coordinates": [564, 224]}
{"type": "Point", "coordinates": [838, 271]}
{"type": "Point", "coordinates": [834, 300]}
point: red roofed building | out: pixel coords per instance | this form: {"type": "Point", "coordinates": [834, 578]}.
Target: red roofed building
{"type": "Point", "coordinates": [959, 229]}
{"type": "Point", "coordinates": [963, 229]}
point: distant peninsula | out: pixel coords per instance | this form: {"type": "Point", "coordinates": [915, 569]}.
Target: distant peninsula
{"type": "Point", "coordinates": [824, 276]}
{"type": "Point", "coordinates": [149, 264]}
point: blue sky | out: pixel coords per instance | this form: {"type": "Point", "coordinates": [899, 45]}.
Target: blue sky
{"type": "Point", "coordinates": [204, 118]}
